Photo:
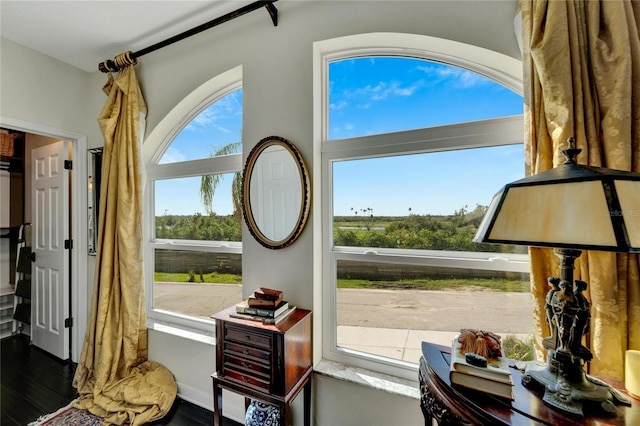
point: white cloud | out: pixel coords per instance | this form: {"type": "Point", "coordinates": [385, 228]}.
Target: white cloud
{"type": "Point", "coordinates": [339, 105]}
{"type": "Point", "coordinates": [458, 77]}
{"type": "Point", "coordinates": [172, 155]}
{"type": "Point", "coordinates": [344, 131]}
{"type": "Point", "coordinates": [225, 107]}
{"type": "Point", "coordinates": [384, 90]}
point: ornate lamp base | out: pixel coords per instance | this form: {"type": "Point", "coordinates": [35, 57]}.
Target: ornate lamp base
{"type": "Point", "coordinates": [569, 390]}
{"type": "Point", "coordinates": [566, 385]}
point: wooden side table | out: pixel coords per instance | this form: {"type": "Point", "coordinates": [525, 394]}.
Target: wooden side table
{"type": "Point", "coordinates": [270, 363]}
{"type": "Point", "coordinates": [453, 405]}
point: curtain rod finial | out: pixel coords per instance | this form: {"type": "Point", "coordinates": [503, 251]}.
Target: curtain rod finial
{"type": "Point", "coordinates": [107, 66]}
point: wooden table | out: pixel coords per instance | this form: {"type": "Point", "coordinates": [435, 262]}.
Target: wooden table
{"type": "Point", "coordinates": [453, 405]}
{"type": "Point", "coordinates": [270, 363]}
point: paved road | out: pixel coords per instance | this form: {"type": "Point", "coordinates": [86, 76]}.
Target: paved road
{"type": "Point", "coordinates": [435, 310]}
{"type": "Point", "coordinates": [197, 299]}
{"type": "Point", "coordinates": [402, 309]}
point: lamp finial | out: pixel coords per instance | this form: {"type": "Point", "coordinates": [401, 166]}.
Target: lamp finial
{"type": "Point", "coordinates": [571, 152]}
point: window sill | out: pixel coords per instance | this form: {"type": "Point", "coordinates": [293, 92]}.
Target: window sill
{"type": "Point", "coordinates": [185, 334]}
{"type": "Point", "coordinates": [368, 378]}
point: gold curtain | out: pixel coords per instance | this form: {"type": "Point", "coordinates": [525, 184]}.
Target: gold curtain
{"type": "Point", "coordinates": [582, 78]}
{"type": "Point", "coordinates": [114, 378]}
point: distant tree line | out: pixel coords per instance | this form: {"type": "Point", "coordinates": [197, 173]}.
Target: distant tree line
{"type": "Point", "coordinates": [210, 227]}
{"type": "Point", "coordinates": [426, 232]}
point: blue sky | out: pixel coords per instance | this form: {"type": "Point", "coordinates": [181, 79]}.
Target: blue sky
{"type": "Point", "coordinates": [373, 96]}
{"type": "Point", "coordinates": [380, 95]}
{"type": "Point", "coordinates": [217, 126]}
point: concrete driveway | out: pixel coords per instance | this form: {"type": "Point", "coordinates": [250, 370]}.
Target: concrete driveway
{"type": "Point", "coordinates": [435, 310]}
{"type": "Point", "coordinates": [394, 309]}
{"type": "Point", "coordinates": [390, 323]}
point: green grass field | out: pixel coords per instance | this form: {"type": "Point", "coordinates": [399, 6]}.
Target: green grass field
{"type": "Point", "coordinates": [471, 284]}
{"type": "Point", "coordinates": [516, 286]}
{"type": "Point", "coordinates": [462, 284]}
{"type": "Point", "coordinates": [213, 278]}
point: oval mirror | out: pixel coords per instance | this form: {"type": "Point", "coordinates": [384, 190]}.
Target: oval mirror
{"type": "Point", "coordinates": [275, 192]}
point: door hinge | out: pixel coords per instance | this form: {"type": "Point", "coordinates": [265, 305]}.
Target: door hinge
{"type": "Point", "coordinates": [68, 164]}
{"type": "Point", "coordinates": [68, 322]}
{"type": "Point", "coordinates": [68, 244]}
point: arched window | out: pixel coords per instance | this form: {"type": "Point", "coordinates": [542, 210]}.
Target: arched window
{"type": "Point", "coordinates": [414, 145]}
{"type": "Point", "coordinates": [194, 265]}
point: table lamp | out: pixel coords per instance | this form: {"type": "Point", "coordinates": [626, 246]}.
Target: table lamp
{"type": "Point", "coordinates": [569, 208]}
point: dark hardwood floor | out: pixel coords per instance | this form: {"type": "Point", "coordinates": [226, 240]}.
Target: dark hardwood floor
{"type": "Point", "coordinates": [34, 383]}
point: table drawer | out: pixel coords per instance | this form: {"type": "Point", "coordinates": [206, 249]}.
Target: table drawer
{"type": "Point", "coordinates": [248, 337]}
{"type": "Point", "coordinates": [247, 352]}
{"type": "Point", "coordinates": [248, 379]}
{"type": "Point", "coordinates": [247, 365]}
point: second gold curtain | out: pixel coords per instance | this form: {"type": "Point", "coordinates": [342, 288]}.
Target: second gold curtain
{"type": "Point", "coordinates": [582, 78]}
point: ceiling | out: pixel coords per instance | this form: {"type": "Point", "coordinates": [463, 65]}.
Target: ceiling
{"type": "Point", "coordinates": [85, 33]}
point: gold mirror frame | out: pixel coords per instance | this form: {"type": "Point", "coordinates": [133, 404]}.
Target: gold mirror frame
{"type": "Point", "coordinates": [305, 192]}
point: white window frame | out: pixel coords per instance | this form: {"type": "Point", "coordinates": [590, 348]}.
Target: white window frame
{"type": "Point", "coordinates": [493, 132]}
{"type": "Point", "coordinates": [153, 150]}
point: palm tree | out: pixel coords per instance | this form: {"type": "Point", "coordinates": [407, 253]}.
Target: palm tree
{"type": "Point", "coordinates": [209, 183]}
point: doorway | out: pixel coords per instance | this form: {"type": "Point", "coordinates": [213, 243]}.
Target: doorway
{"type": "Point", "coordinates": [50, 167]}
{"type": "Point", "coordinates": [75, 209]}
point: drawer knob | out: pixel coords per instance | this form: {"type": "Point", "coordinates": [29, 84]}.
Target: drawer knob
{"type": "Point", "coordinates": [247, 337]}
{"type": "Point", "coordinates": [246, 352]}
{"type": "Point", "coordinates": [245, 379]}
{"type": "Point", "coordinates": [246, 364]}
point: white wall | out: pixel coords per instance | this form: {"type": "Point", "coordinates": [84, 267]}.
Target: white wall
{"type": "Point", "coordinates": [42, 90]}
{"type": "Point", "coordinates": [277, 82]}
{"type": "Point", "coordinates": [44, 96]}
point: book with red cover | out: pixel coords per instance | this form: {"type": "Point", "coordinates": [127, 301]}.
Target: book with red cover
{"type": "Point", "coordinates": [268, 294]}
{"type": "Point", "coordinates": [264, 303]}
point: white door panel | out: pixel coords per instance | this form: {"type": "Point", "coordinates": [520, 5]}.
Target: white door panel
{"type": "Point", "coordinates": [50, 228]}
{"type": "Point", "coordinates": [278, 194]}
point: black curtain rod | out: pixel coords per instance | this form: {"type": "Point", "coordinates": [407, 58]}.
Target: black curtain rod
{"type": "Point", "coordinates": [110, 65]}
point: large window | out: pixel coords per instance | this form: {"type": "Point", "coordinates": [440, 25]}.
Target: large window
{"type": "Point", "coordinates": [412, 152]}
{"type": "Point", "coordinates": [195, 245]}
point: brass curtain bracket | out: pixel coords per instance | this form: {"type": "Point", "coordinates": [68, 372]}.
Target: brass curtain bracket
{"type": "Point", "coordinates": [130, 58]}
{"type": "Point", "coordinates": [120, 62]}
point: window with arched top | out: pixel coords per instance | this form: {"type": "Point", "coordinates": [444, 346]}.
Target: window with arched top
{"type": "Point", "coordinates": [194, 167]}
{"type": "Point", "coordinates": [414, 143]}
{"type": "Point", "coordinates": [214, 131]}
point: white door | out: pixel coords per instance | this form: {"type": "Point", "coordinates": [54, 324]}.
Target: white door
{"type": "Point", "coordinates": [279, 193]}
{"type": "Point", "coordinates": [50, 229]}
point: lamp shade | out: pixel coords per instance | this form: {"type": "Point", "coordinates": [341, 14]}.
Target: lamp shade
{"type": "Point", "coordinates": [570, 206]}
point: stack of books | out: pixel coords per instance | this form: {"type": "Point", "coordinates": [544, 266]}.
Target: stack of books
{"type": "Point", "coordinates": [265, 305]}
{"type": "Point", "coordinates": [495, 378]}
